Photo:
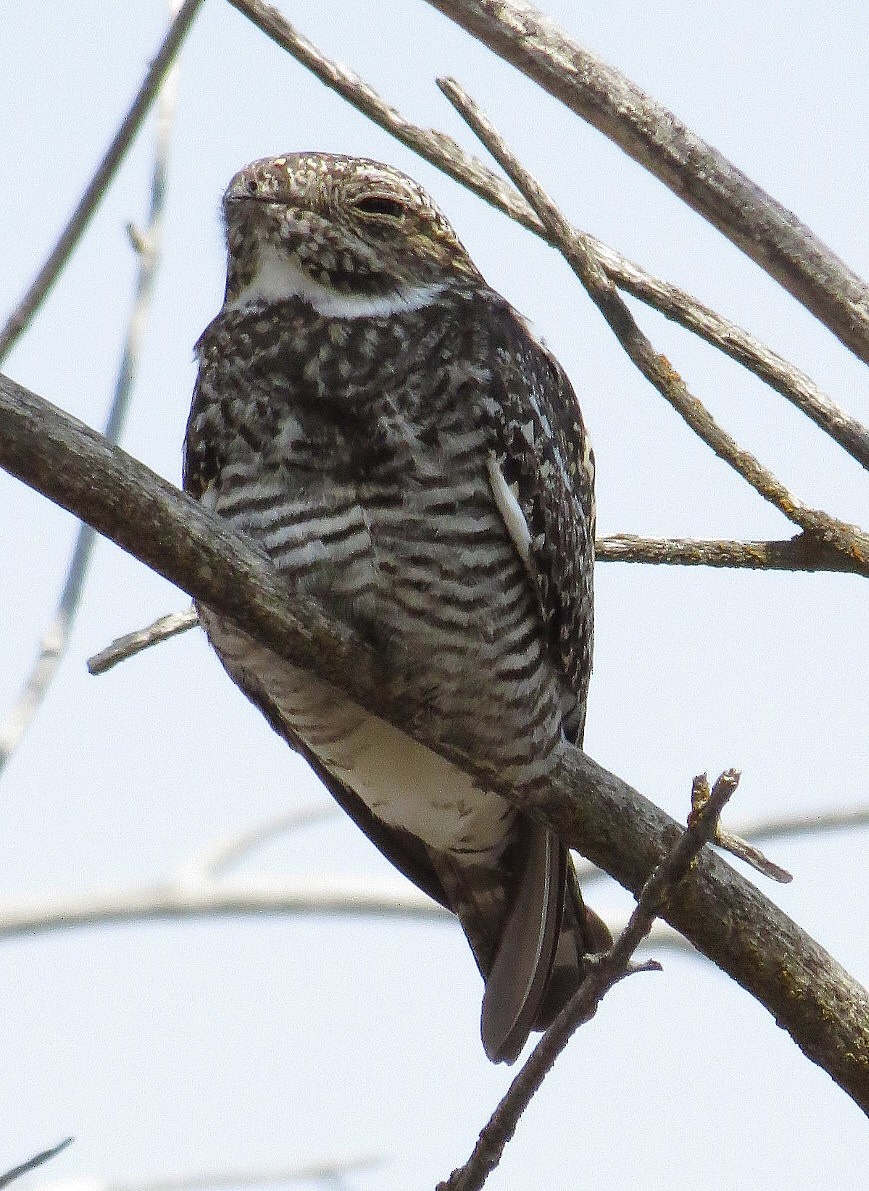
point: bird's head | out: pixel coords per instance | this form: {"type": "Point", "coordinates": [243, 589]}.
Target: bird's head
{"type": "Point", "coordinates": [349, 235]}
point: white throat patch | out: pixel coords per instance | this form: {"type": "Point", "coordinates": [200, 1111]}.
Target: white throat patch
{"type": "Point", "coordinates": [278, 279]}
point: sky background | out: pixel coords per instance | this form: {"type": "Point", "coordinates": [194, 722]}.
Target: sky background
{"type": "Point", "coordinates": [249, 1042]}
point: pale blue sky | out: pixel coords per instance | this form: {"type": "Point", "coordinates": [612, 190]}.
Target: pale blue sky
{"type": "Point", "coordinates": [247, 1042]}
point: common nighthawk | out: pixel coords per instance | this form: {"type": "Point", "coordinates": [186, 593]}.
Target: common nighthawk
{"type": "Point", "coordinates": [386, 427]}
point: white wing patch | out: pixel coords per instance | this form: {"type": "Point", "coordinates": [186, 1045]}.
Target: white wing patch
{"type": "Point", "coordinates": [507, 501]}
{"type": "Point", "coordinates": [278, 278]}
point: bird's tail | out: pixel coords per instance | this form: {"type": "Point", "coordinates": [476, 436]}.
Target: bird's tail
{"type": "Point", "coordinates": [583, 933]}
{"type": "Point", "coordinates": [529, 940]}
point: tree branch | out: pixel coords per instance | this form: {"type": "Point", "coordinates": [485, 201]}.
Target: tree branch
{"type": "Point", "coordinates": [147, 246]}
{"type": "Point", "coordinates": [674, 303]}
{"type": "Point", "coordinates": [329, 1169]}
{"type": "Point", "coordinates": [184, 896]}
{"type": "Point", "coordinates": [194, 890]}
{"type": "Point", "coordinates": [823, 1008]}
{"type": "Point", "coordinates": [99, 183]}
{"type": "Point", "coordinates": [804, 552]}
{"type": "Point", "coordinates": [37, 1160]}
{"type": "Point", "coordinates": [127, 646]}
{"type": "Point", "coordinates": [702, 177]}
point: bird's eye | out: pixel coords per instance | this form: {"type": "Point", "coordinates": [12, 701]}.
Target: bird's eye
{"type": "Point", "coordinates": [380, 207]}
{"type": "Point", "coordinates": [252, 186]}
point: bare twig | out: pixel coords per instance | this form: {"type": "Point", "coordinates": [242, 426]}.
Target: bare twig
{"type": "Point", "coordinates": [674, 303]}
{"type": "Point", "coordinates": [801, 553]}
{"type": "Point", "coordinates": [96, 188]}
{"type": "Point", "coordinates": [749, 854]}
{"type": "Point", "coordinates": [337, 894]}
{"type": "Point", "coordinates": [824, 1009]}
{"type": "Point", "coordinates": [98, 185]}
{"type": "Point", "coordinates": [780, 374]}
{"type": "Point", "coordinates": [56, 637]}
{"type": "Point", "coordinates": [32, 1163]}
{"type": "Point", "coordinates": [323, 1168]}
{"type": "Point", "coordinates": [162, 629]}
{"type": "Point", "coordinates": [193, 891]}
{"type": "Point", "coordinates": [700, 798]}
{"type": "Point", "coordinates": [330, 895]}
{"type": "Point", "coordinates": [235, 846]}
{"type": "Point", "coordinates": [605, 972]}
{"type": "Point", "coordinates": [848, 539]}
{"type": "Point", "coordinates": [330, 1167]}
{"type": "Point", "coordinates": [812, 823]}
{"type": "Point", "coordinates": [769, 234]}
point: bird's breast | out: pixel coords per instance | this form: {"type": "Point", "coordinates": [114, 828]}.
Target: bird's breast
{"type": "Point", "coordinates": [369, 490]}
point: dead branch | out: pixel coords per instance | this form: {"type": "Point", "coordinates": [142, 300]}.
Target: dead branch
{"type": "Point", "coordinates": [130, 644]}
{"type": "Point", "coordinates": [198, 888]}
{"type": "Point", "coordinates": [181, 898]}
{"type": "Point", "coordinates": [804, 552]}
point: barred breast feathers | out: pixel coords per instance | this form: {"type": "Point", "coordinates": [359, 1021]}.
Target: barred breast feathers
{"type": "Point", "coordinates": [389, 431]}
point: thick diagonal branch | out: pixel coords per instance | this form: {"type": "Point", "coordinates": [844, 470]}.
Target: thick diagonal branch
{"type": "Point", "coordinates": [823, 1008]}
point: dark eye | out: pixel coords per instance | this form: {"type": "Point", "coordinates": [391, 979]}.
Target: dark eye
{"type": "Point", "coordinates": [252, 186]}
{"type": "Point", "coordinates": [376, 205]}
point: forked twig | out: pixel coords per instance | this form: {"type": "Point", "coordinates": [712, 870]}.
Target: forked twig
{"type": "Point", "coordinates": [194, 890]}
{"type": "Point", "coordinates": [606, 971]}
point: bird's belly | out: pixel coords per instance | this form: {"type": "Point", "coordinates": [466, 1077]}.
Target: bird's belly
{"type": "Point", "coordinates": [402, 782]}
{"type": "Point", "coordinates": [446, 598]}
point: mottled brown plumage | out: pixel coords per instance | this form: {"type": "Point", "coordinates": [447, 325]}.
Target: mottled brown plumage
{"type": "Point", "coordinates": [386, 427]}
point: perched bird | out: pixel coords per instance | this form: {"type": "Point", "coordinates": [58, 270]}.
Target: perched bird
{"type": "Point", "coordinates": [388, 430]}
